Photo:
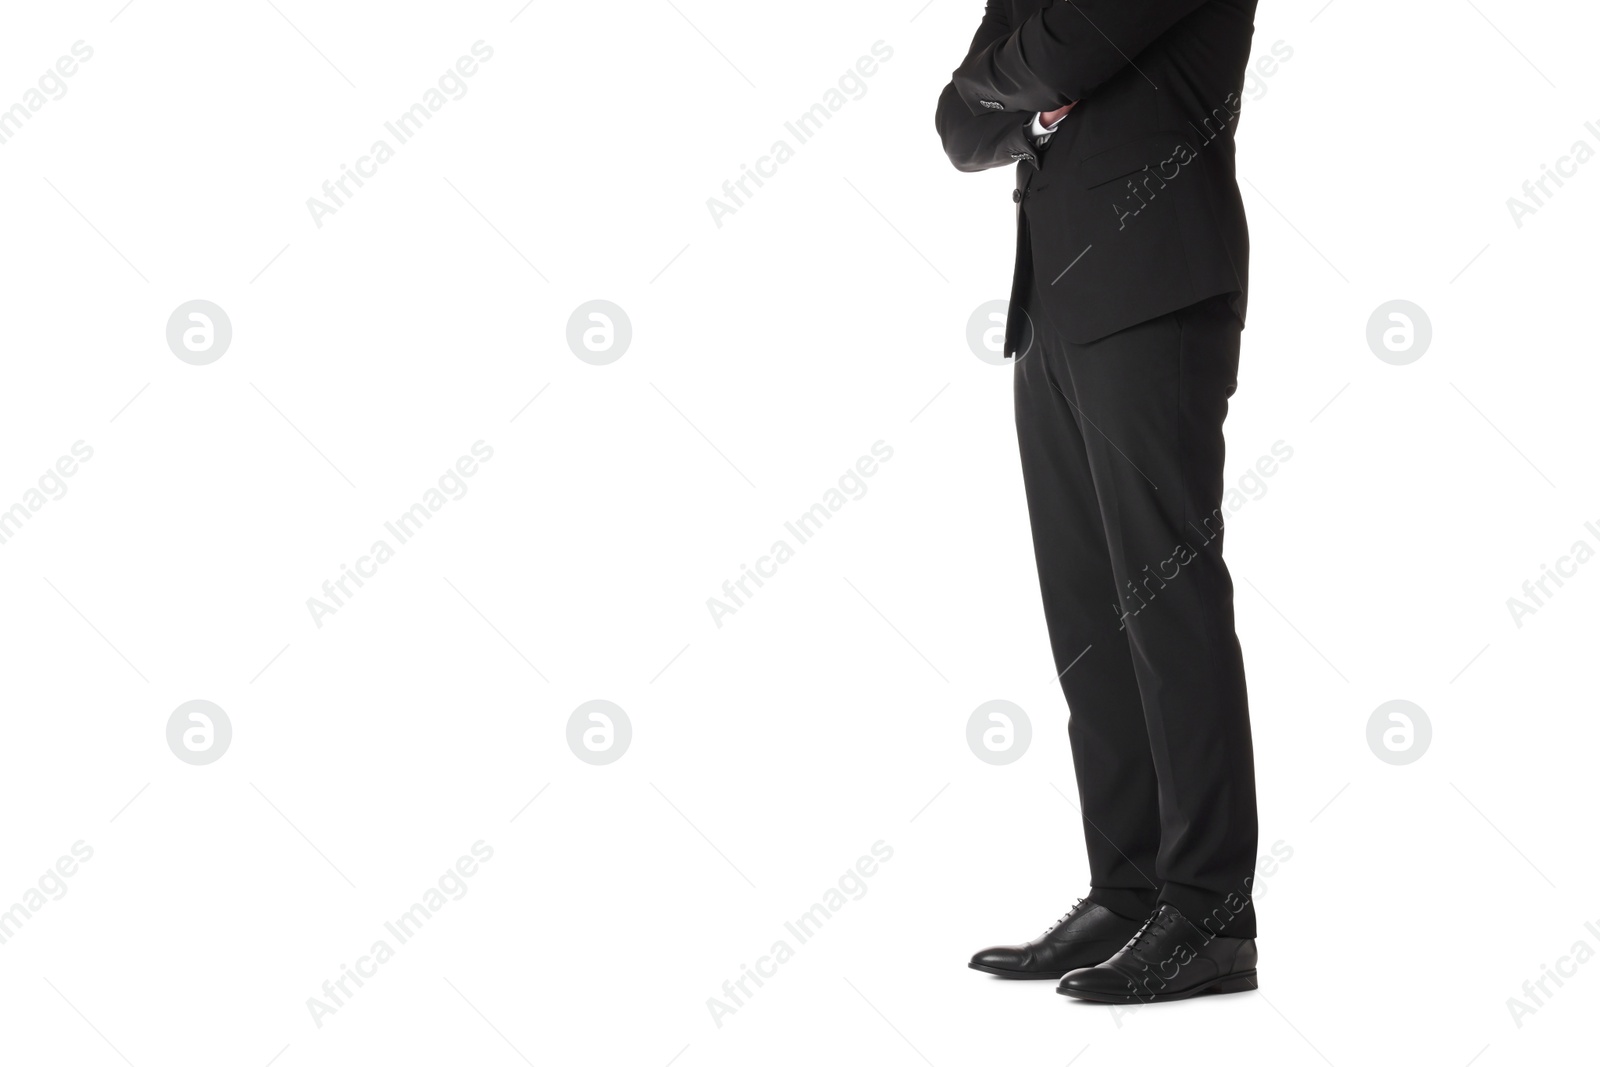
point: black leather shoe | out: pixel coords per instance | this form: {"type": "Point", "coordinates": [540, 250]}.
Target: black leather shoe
{"type": "Point", "coordinates": [1086, 935]}
{"type": "Point", "coordinates": [1168, 959]}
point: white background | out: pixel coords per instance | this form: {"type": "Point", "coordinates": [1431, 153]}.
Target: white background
{"type": "Point", "coordinates": [829, 712]}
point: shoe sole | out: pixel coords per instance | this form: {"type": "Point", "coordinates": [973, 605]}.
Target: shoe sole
{"type": "Point", "coordinates": [1000, 972]}
{"type": "Point", "coordinates": [1242, 982]}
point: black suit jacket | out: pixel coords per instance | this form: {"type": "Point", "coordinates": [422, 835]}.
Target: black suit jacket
{"type": "Point", "coordinates": [1131, 210]}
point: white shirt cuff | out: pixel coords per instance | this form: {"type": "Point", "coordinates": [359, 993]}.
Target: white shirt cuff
{"type": "Point", "coordinates": [1041, 130]}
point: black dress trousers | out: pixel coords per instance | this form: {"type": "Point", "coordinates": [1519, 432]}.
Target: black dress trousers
{"type": "Point", "coordinates": [1122, 457]}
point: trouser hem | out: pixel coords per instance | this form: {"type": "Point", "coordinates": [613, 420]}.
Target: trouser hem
{"type": "Point", "coordinates": [1132, 904]}
{"type": "Point", "coordinates": [1230, 916]}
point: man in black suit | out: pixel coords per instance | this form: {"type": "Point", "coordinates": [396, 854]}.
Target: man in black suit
{"type": "Point", "coordinates": [1127, 302]}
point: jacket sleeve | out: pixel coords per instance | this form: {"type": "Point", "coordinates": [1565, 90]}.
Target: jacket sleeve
{"type": "Point", "coordinates": [979, 138]}
{"type": "Point", "coordinates": [1063, 53]}
{"type": "Point", "coordinates": [981, 142]}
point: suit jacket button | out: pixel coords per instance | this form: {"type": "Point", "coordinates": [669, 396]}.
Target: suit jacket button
{"type": "Point", "coordinates": [1016, 196]}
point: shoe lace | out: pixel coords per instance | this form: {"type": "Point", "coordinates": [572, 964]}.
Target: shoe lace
{"type": "Point", "coordinates": [1157, 919]}
{"type": "Point", "coordinates": [1070, 912]}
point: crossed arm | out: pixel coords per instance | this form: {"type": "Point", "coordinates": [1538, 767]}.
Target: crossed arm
{"type": "Point", "coordinates": [1055, 57]}
{"type": "Point", "coordinates": [980, 142]}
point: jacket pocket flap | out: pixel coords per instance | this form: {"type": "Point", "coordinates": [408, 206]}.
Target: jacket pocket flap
{"type": "Point", "coordinates": [1159, 151]}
